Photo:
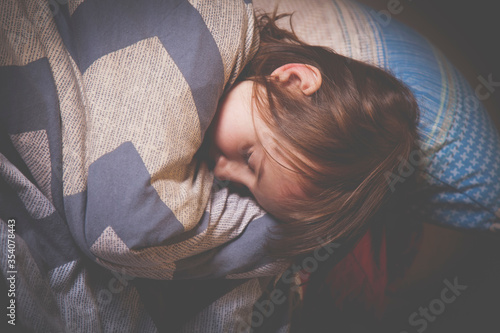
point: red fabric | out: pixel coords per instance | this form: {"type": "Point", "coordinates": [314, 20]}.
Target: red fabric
{"type": "Point", "coordinates": [358, 280]}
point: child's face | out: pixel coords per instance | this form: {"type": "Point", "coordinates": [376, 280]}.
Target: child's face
{"type": "Point", "coordinates": [238, 150]}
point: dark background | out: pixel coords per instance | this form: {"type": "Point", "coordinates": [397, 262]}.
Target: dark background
{"type": "Point", "coordinates": [473, 27]}
{"type": "Point", "coordinates": [470, 33]}
{"type": "Point", "coordinates": [466, 31]}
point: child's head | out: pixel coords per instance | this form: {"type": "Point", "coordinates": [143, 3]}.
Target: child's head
{"type": "Point", "coordinates": [312, 134]}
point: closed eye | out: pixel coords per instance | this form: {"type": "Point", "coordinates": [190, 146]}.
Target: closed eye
{"type": "Point", "coordinates": [247, 155]}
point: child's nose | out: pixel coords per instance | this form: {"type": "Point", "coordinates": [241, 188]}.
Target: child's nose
{"type": "Point", "coordinates": [220, 169]}
{"type": "Point", "coordinates": [233, 171]}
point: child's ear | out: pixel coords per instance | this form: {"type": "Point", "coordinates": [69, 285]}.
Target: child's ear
{"type": "Point", "coordinates": [307, 78]}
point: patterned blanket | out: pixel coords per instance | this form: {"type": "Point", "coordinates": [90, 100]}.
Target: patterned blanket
{"type": "Point", "coordinates": [104, 105]}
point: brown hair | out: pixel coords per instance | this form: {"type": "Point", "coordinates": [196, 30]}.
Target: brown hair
{"type": "Point", "coordinates": [355, 129]}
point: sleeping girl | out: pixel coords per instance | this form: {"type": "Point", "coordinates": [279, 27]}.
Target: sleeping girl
{"type": "Point", "coordinates": [312, 135]}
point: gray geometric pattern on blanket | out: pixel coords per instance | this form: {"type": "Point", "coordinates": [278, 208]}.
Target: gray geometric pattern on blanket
{"type": "Point", "coordinates": [119, 196]}
{"type": "Point", "coordinates": [146, 98]}
{"type": "Point", "coordinates": [34, 150]}
{"type": "Point", "coordinates": [30, 117]}
{"type": "Point", "coordinates": [75, 297]}
{"type": "Point", "coordinates": [235, 304]}
{"type": "Point", "coordinates": [173, 22]}
{"type": "Point", "coordinates": [35, 202]}
{"type": "Point", "coordinates": [148, 95]}
{"type": "Point", "coordinates": [120, 90]}
{"type": "Point", "coordinates": [36, 304]}
{"type": "Point", "coordinates": [105, 104]}
{"type": "Point", "coordinates": [205, 253]}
